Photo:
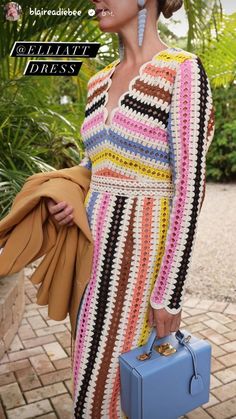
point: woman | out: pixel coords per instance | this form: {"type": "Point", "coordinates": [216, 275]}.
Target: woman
{"type": "Point", "coordinates": [148, 125]}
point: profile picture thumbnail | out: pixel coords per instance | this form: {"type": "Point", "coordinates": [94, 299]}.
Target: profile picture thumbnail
{"type": "Point", "coordinates": [12, 10]}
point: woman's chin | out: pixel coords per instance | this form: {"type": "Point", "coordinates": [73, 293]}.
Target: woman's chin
{"type": "Point", "coordinates": [106, 23]}
{"type": "Point", "coordinates": [106, 27]}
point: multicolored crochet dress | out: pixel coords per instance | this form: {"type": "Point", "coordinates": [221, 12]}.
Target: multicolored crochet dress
{"type": "Point", "coordinates": [148, 177]}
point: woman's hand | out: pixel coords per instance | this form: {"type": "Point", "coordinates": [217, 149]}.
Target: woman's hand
{"type": "Point", "coordinates": [165, 322]}
{"type": "Point", "coordinates": [61, 212]}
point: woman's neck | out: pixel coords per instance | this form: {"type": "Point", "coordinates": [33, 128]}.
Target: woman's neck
{"type": "Point", "coordinates": [133, 54]}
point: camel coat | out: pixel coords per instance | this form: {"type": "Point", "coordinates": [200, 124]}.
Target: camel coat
{"type": "Point", "coordinates": [29, 232]}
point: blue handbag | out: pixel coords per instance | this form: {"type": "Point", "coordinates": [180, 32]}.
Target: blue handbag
{"type": "Point", "coordinates": [165, 378]}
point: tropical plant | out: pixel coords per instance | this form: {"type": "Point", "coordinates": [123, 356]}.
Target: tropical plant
{"type": "Point", "coordinates": [33, 138]}
{"type": "Point", "coordinates": [202, 15]}
{"type": "Point", "coordinates": [219, 53]}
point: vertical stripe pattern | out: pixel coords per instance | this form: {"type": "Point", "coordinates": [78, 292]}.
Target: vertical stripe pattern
{"type": "Point", "coordinates": [147, 181]}
{"type": "Point", "coordinates": [113, 313]}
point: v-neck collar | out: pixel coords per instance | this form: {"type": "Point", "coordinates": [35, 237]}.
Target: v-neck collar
{"type": "Point", "coordinates": [113, 66]}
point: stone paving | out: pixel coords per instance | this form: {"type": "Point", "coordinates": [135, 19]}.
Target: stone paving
{"type": "Point", "coordinates": [35, 373]}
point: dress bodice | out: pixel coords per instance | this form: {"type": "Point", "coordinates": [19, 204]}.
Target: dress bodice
{"type": "Point", "coordinates": [136, 143]}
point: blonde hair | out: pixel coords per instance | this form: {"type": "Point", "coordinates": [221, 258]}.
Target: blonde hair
{"type": "Point", "coordinates": [168, 7]}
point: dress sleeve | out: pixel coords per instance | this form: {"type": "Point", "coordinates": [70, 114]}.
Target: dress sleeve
{"type": "Point", "coordinates": [190, 131]}
{"type": "Point", "coordinates": [86, 161]}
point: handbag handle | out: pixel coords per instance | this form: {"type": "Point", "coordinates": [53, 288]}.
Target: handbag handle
{"type": "Point", "coordinates": [196, 384]}
{"type": "Point", "coordinates": [179, 336]}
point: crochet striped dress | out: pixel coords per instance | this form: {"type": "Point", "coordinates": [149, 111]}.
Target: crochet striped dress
{"type": "Point", "coordinates": [147, 185]}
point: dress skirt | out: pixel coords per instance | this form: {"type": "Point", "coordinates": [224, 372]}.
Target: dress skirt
{"type": "Point", "coordinates": [129, 223]}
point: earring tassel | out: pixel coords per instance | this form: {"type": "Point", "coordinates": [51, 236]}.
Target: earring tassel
{"type": "Point", "coordinates": [142, 16]}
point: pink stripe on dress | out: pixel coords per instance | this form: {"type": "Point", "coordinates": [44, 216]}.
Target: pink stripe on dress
{"type": "Point", "coordinates": [178, 213]}
{"type": "Point", "coordinates": [92, 122]}
{"type": "Point", "coordinates": [123, 121]}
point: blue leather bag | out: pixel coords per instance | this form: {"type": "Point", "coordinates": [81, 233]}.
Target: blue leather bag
{"type": "Point", "coordinates": [165, 378]}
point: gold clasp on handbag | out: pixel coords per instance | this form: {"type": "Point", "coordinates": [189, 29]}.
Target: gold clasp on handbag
{"type": "Point", "coordinates": [165, 349]}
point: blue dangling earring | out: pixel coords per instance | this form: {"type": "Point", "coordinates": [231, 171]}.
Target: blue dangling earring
{"type": "Point", "coordinates": [142, 16]}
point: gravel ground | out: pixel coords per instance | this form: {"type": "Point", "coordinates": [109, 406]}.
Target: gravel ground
{"type": "Point", "coordinates": [213, 269]}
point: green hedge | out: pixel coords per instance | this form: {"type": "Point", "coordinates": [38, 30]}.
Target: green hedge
{"type": "Point", "coordinates": [221, 158]}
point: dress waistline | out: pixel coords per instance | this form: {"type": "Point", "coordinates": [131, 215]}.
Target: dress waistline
{"type": "Point", "coordinates": [131, 187]}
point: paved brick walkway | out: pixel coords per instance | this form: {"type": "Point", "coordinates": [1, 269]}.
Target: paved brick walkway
{"type": "Point", "coordinates": [35, 373]}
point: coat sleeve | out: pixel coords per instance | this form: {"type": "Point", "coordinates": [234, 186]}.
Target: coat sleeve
{"type": "Point", "coordinates": [190, 132]}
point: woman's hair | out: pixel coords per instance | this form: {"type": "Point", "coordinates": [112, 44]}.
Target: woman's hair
{"type": "Point", "coordinates": [168, 7]}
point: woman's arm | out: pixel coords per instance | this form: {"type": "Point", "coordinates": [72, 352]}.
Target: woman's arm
{"type": "Point", "coordinates": [190, 132]}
